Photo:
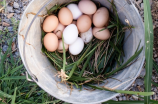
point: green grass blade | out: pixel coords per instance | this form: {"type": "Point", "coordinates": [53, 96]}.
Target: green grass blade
{"type": "Point", "coordinates": [64, 55]}
{"type": "Point", "coordinates": [124, 102]}
{"type": "Point", "coordinates": [14, 96]}
{"type": "Point", "coordinates": [155, 84]}
{"type": "Point", "coordinates": [16, 69]}
{"type": "Point", "coordinates": [126, 63]}
{"type": "Point", "coordinates": [155, 66]}
{"type": "Point", "coordinates": [3, 94]}
{"type": "Point", "coordinates": [121, 91]}
{"type": "Point", "coordinates": [14, 77]}
{"type": "Point", "coordinates": [148, 48]}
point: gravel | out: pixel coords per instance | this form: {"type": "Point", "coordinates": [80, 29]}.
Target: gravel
{"type": "Point", "coordinates": [5, 47]}
{"type": "Point", "coordinates": [10, 9]}
{"type": "Point", "coordinates": [16, 5]}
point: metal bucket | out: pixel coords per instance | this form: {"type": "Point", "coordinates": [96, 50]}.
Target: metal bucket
{"type": "Point", "coordinates": [42, 71]}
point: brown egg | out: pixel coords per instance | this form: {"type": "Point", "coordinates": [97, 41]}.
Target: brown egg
{"type": "Point", "coordinates": [84, 23]}
{"type": "Point", "coordinates": [87, 7]}
{"type": "Point", "coordinates": [101, 17]}
{"type": "Point", "coordinates": [60, 46]}
{"type": "Point", "coordinates": [59, 30]}
{"type": "Point", "coordinates": [102, 35]}
{"type": "Point", "coordinates": [65, 16]}
{"type": "Point", "coordinates": [50, 23]}
{"type": "Point", "coordinates": [51, 42]}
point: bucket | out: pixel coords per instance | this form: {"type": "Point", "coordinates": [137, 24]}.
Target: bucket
{"type": "Point", "coordinates": [44, 74]}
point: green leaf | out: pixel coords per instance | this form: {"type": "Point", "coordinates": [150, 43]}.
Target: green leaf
{"type": "Point", "coordinates": [148, 48]}
{"type": "Point", "coordinates": [121, 91]}
{"type": "Point", "coordinates": [3, 94]}
{"type": "Point", "coordinates": [155, 66]}
{"type": "Point", "coordinates": [14, 78]}
{"type": "Point", "coordinates": [14, 96]}
{"type": "Point", "coordinates": [64, 54]}
{"type": "Point", "coordinates": [155, 84]}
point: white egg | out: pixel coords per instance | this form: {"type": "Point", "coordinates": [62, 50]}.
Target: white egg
{"type": "Point", "coordinates": [76, 47]}
{"type": "Point", "coordinates": [87, 36]}
{"type": "Point", "coordinates": [70, 34]}
{"type": "Point", "coordinates": [75, 11]}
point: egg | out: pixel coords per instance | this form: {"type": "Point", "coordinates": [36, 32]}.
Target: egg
{"type": "Point", "coordinates": [101, 35]}
{"type": "Point", "coordinates": [70, 34]}
{"type": "Point", "coordinates": [87, 7]}
{"type": "Point", "coordinates": [87, 36]}
{"type": "Point", "coordinates": [101, 17]}
{"type": "Point", "coordinates": [76, 47]}
{"type": "Point", "coordinates": [60, 46]}
{"type": "Point", "coordinates": [50, 23]}
{"type": "Point", "coordinates": [51, 42]}
{"type": "Point", "coordinates": [75, 11]}
{"type": "Point", "coordinates": [84, 23]}
{"type": "Point", "coordinates": [65, 16]}
{"type": "Point", "coordinates": [59, 30]}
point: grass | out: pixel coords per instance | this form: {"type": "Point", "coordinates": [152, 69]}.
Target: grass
{"type": "Point", "coordinates": [148, 48]}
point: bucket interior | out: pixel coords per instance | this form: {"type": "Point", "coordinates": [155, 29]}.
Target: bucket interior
{"type": "Point", "coordinates": [41, 67]}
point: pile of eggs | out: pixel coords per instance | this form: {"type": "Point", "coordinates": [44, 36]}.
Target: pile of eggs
{"type": "Point", "coordinates": [73, 20]}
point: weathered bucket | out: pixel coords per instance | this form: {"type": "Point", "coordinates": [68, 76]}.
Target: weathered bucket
{"type": "Point", "coordinates": [42, 71]}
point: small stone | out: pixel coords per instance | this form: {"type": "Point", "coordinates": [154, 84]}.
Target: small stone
{"type": "Point", "coordinates": [1, 28]}
{"type": "Point", "coordinates": [124, 98]}
{"type": "Point", "coordinates": [16, 5]}
{"type": "Point", "coordinates": [10, 15]}
{"type": "Point", "coordinates": [143, 72]}
{"type": "Point", "coordinates": [135, 97]}
{"type": "Point", "coordinates": [24, 7]}
{"type": "Point", "coordinates": [155, 55]}
{"type": "Point", "coordinates": [115, 99]}
{"type": "Point", "coordinates": [5, 24]}
{"type": "Point", "coordinates": [131, 98]}
{"type": "Point", "coordinates": [139, 1]}
{"type": "Point", "coordinates": [155, 89]}
{"type": "Point", "coordinates": [19, 17]}
{"type": "Point", "coordinates": [20, 4]}
{"type": "Point", "coordinates": [17, 11]}
{"type": "Point", "coordinates": [7, 20]}
{"type": "Point", "coordinates": [17, 53]}
{"type": "Point", "coordinates": [10, 28]}
{"type": "Point", "coordinates": [156, 59]}
{"type": "Point", "coordinates": [139, 82]}
{"type": "Point", "coordinates": [142, 5]}
{"type": "Point", "coordinates": [120, 98]}
{"type": "Point", "coordinates": [10, 9]}
{"type": "Point", "coordinates": [5, 47]}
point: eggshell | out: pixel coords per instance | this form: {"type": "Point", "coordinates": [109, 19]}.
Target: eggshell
{"type": "Point", "coordinates": [65, 16]}
{"type": "Point", "coordinates": [59, 30]}
{"type": "Point", "coordinates": [87, 7]}
{"type": "Point", "coordinates": [75, 11]}
{"type": "Point", "coordinates": [76, 47]}
{"type": "Point", "coordinates": [102, 35]}
{"type": "Point", "coordinates": [51, 42]}
{"type": "Point", "coordinates": [101, 17]}
{"type": "Point", "coordinates": [50, 23]}
{"type": "Point", "coordinates": [70, 34]}
{"type": "Point", "coordinates": [84, 23]}
{"type": "Point", "coordinates": [60, 46]}
{"type": "Point", "coordinates": [87, 36]}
